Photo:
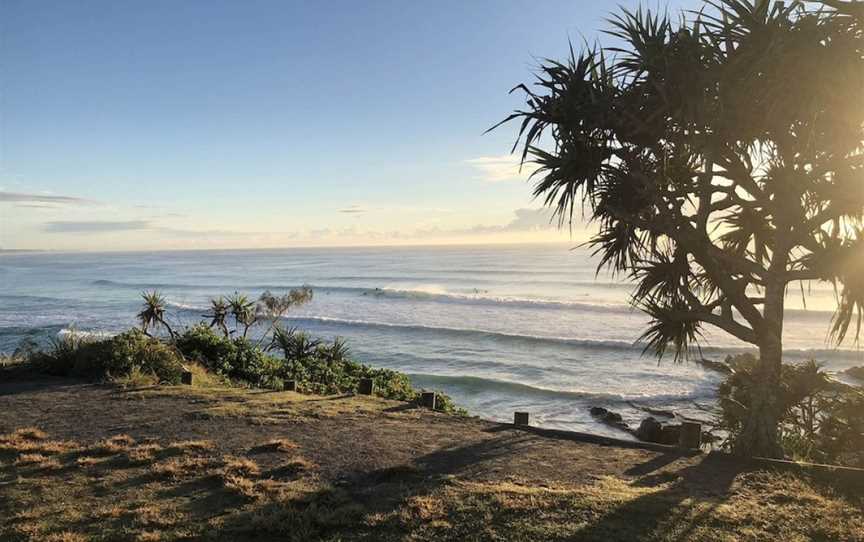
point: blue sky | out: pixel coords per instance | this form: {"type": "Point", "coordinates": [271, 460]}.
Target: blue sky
{"type": "Point", "coordinates": [142, 125]}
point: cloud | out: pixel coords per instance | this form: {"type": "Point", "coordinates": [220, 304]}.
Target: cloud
{"type": "Point", "coordinates": [114, 226]}
{"type": "Point", "coordinates": [354, 209]}
{"type": "Point", "coordinates": [526, 220]}
{"type": "Point", "coordinates": [502, 168]}
{"type": "Point", "coordinates": [20, 197]}
{"type": "Point", "coordinates": [531, 220]}
{"type": "Point", "coordinates": [96, 226]}
{"type": "Point", "coordinates": [35, 206]}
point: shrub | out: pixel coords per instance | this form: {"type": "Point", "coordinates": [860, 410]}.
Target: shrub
{"type": "Point", "coordinates": [201, 343]}
{"type": "Point", "coordinates": [823, 420]}
{"type": "Point", "coordinates": [251, 364]}
{"type": "Point", "coordinates": [75, 354]}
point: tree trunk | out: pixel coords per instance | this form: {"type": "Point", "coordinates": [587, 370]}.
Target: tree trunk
{"type": "Point", "coordinates": [760, 436]}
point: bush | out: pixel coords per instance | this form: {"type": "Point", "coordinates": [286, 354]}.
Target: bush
{"type": "Point", "coordinates": [313, 366]}
{"type": "Point", "coordinates": [823, 420]}
{"type": "Point", "coordinates": [201, 343]}
{"type": "Point", "coordinates": [327, 369]}
{"type": "Point", "coordinates": [252, 365]}
{"type": "Point", "coordinates": [78, 355]}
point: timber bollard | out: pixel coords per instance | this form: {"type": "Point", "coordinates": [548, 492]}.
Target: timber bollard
{"type": "Point", "coordinates": [691, 435]}
{"type": "Point", "coordinates": [366, 386]}
{"type": "Point", "coordinates": [429, 399]}
{"type": "Point", "coordinates": [520, 418]}
{"type": "Point", "coordinates": [186, 378]}
{"type": "Point", "coordinates": [290, 385]}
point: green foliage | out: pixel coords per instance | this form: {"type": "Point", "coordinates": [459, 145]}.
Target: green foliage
{"type": "Point", "coordinates": [152, 314]}
{"type": "Point", "coordinates": [202, 344]}
{"type": "Point", "coordinates": [219, 314]}
{"type": "Point", "coordinates": [822, 420]}
{"type": "Point", "coordinates": [74, 354]}
{"type": "Point", "coordinates": [243, 311]}
{"type": "Point", "coordinates": [314, 366]}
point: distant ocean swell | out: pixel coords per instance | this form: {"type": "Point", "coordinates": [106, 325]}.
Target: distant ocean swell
{"type": "Point", "coordinates": [476, 297]}
{"type": "Point", "coordinates": [475, 384]}
{"type": "Point", "coordinates": [42, 334]}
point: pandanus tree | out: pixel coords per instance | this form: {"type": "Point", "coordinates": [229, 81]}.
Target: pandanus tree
{"type": "Point", "coordinates": [218, 315]}
{"type": "Point", "coordinates": [153, 312]}
{"type": "Point", "coordinates": [721, 161]}
{"type": "Point", "coordinates": [243, 311]}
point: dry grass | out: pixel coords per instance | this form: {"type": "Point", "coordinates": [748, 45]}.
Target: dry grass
{"type": "Point", "coordinates": [144, 453]}
{"type": "Point", "coordinates": [29, 433]}
{"type": "Point", "coordinates": [30, 459]}
{"type": "Point", "coordinates": [112, 446]}
{"type": "Point", "coordinates": [66, 536]}
{"type": "Point", "coordinates": [192, 446]}
{"type": "Point", "coordinates": [241, 467]}
{"type": "Point", "coordinates": [276, 445]}
{"type": "Point", "coordinates": [178, 468]}
{"type": "Point", "coordinates": [192, 490]}
{"type": "Point", "coordinates": [86, 461]}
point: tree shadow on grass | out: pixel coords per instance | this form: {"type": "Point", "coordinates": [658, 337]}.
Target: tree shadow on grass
{"type": "Point", "coordinates": [688, 496]}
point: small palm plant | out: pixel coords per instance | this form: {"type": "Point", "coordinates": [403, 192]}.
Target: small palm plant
{"type": "Point", "coordinates": [152, 314]}
{"type": "Point", "coordinates": [282, 340]}
{"type": "Point", "coordinates": [243, 311]}
{"type": "Point", "coordinates": [218, 315]}
{"type": "Point", "coordinates": [301, 347]}
{"type": "Point", "coordinates": [336, 352]}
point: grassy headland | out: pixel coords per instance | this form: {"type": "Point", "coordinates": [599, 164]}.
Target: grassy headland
{"type": "Point", "coordinates": [83, 461]}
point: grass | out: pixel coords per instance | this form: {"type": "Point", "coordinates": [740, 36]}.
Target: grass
{"type": "Point", "coordinates": [269, 486]}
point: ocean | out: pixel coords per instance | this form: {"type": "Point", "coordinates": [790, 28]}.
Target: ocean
{"type": "Point", "coordinates": [499, 328]}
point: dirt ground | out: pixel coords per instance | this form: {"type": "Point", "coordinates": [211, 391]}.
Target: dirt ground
{"type": "Point", "coordinates": [353, 467]}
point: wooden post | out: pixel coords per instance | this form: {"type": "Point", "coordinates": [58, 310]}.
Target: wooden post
{"type": "Point", "coordinates": [186, 378]}
{"type": "Point", "coordinates": [429, 399]}
{"type": "Point", "coordinates": [520, 418]}
{"type": "Point", "coordinates": [366, 387]}
{"type": "Point", "coordinates": [691, 435]}
{"type": "Point", "coordinates": [290, 385]}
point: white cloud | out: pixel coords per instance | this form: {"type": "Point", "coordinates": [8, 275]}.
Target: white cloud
{"type": "Point", "coordinates": [354, 209]}
{"type": "Point", "coordinates": [502, 168]}
{"type": "Point", "coordinates": [20, 197]}
{"type": "Point", "coordinates": [526, 220]}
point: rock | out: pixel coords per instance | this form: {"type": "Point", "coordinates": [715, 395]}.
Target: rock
{"type": "Point", "coordinates": [717, 366]}
{"type": "Point", "coordinates": [650, 430]}
{"type": "Point", "coordinates": [609, 418]}
{"type": "Point", "coordinates": [690, 435]}
{"type": "Point", "coordinates": [670, 434]}
{"type": "Point", "coordinates": [653, 411]}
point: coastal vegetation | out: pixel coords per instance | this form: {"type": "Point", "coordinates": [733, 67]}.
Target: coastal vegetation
{"type": "Point", "coordinates": [229, 356]}
{"type": "Point", "coordinates": [822, 419]}
{"type": "Point", "coordinates": [720, 160]}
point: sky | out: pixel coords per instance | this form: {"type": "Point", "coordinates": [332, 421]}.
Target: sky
{"type": "Point", "coordinates": [220, 124]}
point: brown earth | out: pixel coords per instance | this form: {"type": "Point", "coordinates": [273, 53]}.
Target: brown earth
{"type": "Point", "coordinates": [225, 463]}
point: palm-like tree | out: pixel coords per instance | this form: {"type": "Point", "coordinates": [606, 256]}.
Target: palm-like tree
{"type": "Point", "coordinates": [153, 312]}
{"type": "Point", "coordinates": [243, 311]}
{"type": "Point", "coordinates": [219, 309]}
{"type": "Point", "coordinates": [282, 340]}
{"type": "Point", "coordinates": [336, 352]}
{"type": "Point", "coordinates": [721, 161]}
